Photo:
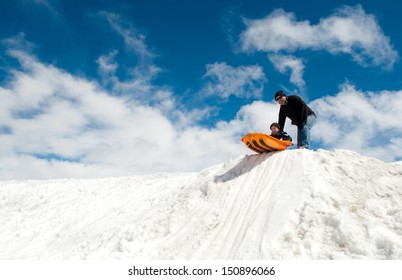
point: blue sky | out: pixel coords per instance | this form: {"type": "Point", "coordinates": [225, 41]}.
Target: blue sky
{"type": "Point", "coordinates": [110, 88]}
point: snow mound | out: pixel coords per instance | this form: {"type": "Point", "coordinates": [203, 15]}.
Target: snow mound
{"type": "Point", "coordinates": [295, 204]}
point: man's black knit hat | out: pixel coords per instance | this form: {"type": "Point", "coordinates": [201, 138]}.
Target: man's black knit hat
{"type": "Point", "coordinates": [279, 94]}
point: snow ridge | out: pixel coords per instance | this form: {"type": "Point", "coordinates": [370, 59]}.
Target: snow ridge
{"type": "Point", "coordinates": [295, 204]}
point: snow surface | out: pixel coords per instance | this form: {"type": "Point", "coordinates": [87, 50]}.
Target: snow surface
{"type": "Point", "coordinates": [295, 204]}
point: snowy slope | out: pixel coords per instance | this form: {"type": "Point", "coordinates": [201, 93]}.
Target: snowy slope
{"type": "Point", "coordinates": [296, 204]}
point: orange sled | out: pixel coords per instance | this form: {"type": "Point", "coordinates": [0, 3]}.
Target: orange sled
{"type": "Point", "coordinates": [262, 143]}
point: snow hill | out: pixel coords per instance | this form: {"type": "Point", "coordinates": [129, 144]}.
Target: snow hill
{"type": "Point", "coordinates": [295, 204]}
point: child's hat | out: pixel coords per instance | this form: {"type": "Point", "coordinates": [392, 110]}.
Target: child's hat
{"type": "Point", "coordinates": [275, 124]}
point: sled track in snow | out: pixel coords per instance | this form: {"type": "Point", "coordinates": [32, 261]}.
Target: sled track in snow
{"type": "Point", "coordinates": [240, 200]}
{"type": "Point", "coordinates": [249, 205]}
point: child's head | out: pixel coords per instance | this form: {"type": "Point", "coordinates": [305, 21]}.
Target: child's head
{"type": "Point", "coordinates": [275, 128]}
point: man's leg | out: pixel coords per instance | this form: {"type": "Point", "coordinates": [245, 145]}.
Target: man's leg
{"type": "Point", "coordinates": [303, 135]}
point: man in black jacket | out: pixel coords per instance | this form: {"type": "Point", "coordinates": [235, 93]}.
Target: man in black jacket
{"type": "Point", "coordinates": [299, 113]}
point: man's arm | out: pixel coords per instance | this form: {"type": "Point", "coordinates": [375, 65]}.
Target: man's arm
{"type": "Point", "coordinates": [282, 118]}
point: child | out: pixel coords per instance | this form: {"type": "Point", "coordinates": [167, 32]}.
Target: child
{"type": "Point", "coordinates": [278, 134]}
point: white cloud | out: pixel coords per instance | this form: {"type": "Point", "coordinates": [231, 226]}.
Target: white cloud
{"type": "Point", "coordinates": [294, 65]}
{"type": "Point", "coordinates": [139, 77]}
{"type": "Point", "coordinates": [45, 4]}
{"type": "Point", "coordinates": [54, 124]}
{"type": "Point", "coordinates": [366, 122]}
{"type": "Point", "coordinates": [138, 85]}
{"type": "Point", "coordinates": [349, 30]}
{"type": "Point", "coordinates": [134, 40]}
{"type": "Point", "coordinates": [225, 81]}
{"type": "Point", "coordinates": [108, 66]}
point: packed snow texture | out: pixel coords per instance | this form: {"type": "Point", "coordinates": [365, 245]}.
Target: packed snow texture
{"type": "Point", "coordinates": [295, 204]}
